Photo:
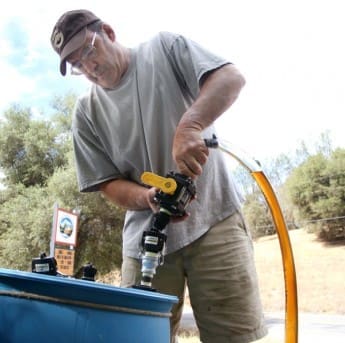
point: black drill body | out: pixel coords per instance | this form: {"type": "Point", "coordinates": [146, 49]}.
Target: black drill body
{"type": "Point", "coordinates": [153, 240]}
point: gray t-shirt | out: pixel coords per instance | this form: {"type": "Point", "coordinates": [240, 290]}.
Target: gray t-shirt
{"type": "Point", "coordinates": [121, 133]}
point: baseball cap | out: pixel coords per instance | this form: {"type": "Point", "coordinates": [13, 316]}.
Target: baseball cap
{"type": "Point", "coordinates": [69, 33]}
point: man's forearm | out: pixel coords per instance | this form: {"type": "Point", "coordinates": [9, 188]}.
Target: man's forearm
{"type": "Point", "coordinates": [218, 92]}
{"type": "Point", "coordinates": [127, 194]}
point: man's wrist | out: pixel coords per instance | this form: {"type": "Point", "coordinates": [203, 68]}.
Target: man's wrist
{"type": "Point", "coordinates": [190, 120]}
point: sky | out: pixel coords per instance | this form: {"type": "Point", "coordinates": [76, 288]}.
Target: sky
{"type": "Point", "coordinates": [291, 53]}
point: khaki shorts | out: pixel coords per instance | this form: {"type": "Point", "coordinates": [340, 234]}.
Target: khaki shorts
{"type": "Point", "coordinates": [219, 271]}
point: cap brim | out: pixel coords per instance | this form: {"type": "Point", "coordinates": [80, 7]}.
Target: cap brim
{"type": "Point", "coordinates": [74, 44]}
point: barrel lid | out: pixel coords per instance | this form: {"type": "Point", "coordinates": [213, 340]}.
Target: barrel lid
{"type": "Point", "coordinates": [84, 291]}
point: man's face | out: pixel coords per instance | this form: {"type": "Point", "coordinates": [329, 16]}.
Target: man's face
{"type": "Point", "coordinates": [100, 59]}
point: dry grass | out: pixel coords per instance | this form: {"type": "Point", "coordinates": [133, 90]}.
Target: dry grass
{"type": "Point", "coordinates": [319, 268]}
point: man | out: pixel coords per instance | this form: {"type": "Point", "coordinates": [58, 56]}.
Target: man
{"type": "Point", "coordinates": [149, 109]}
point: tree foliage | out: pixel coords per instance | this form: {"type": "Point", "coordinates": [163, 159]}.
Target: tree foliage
{"type": "Point", "coordinates": [100, 222]}
{"type": "Point", "coordinates": [37, 160]}
{"type": "Point", "coordinates": [258, 215]}
{"type": "Point", "coordinates": [29, 149]}
{"type": "Point", "coordinates": [25, 226]}
{"type": "Point", "coordinates": [317, 189]}
{"type": "Point", "coordinates": [309, 186]}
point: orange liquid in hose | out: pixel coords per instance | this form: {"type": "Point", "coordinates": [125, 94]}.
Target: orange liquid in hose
{"type": "Point", "coordinates": [291, 307]}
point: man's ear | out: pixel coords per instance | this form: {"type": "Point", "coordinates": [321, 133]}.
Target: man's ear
{"type": "Point", "coordinates": [108, 30]}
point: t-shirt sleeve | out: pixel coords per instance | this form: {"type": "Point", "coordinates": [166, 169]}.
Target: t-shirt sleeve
{"type": "Point", "coordinates": [190, 60]}
{"type": "Point", "coordinates": [92, 162]}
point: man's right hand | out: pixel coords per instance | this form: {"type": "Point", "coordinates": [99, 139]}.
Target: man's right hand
{"type": "Point", "coordinates": [189, 151]}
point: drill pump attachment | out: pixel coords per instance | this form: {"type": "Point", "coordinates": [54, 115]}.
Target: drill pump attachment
{"type": "Point", "coordinates": [175, 193]}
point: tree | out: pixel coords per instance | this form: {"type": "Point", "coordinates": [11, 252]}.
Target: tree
{"type": "Point", "coordinates": [333, 205]}
{"type": "Point", "coordinates": [62, 118]}
{"type": "Point", "coordinates": [255, 208]}
{"type": "Point", "coordinates": [324, 145]}
{"type": "Point", "coordinates": [316, 188]}
{"type": "Point", "coordinates": [25, 226]}
{"type": "Point", "coordinates": [307, 184]}
{"type": "Point", "coordinates": [258, 215]}
{"type": "Point", "coordinates": [29, 149]}
{"type": "Point", "coordinates": [100, 222]}
{"type": "Point", "coordinates": [301, 154]}
{"type": "Point", "coordinates": [37, 160]}
{"type": "Point", "coordinates": [278, 169]}
{"type": "Point", "coordinates": [244, 181]}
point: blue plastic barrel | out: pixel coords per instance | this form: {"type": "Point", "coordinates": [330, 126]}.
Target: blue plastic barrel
{"type": "Point", "coordinates": [44, 308]}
